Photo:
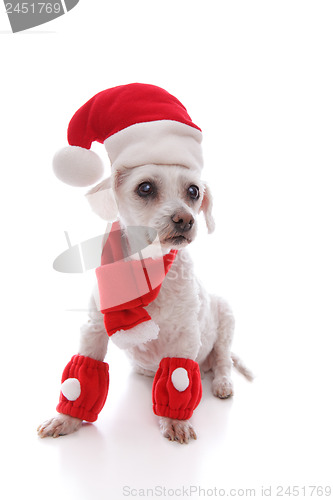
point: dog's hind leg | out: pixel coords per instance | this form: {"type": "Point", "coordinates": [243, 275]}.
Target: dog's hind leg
{"type": "Point", "coordinates": [221, 355]}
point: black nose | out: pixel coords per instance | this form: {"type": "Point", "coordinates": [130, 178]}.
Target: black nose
{"type": "Point", "coordinates": [183, 221]}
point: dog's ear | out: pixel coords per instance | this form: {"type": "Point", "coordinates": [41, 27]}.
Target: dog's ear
{"type": "Point", "coordinates": [206, 208]}
{"type": "Point", "coordinates": [102, 200]}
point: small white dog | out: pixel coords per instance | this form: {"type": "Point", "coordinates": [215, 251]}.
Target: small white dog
{"type": "Point", "coordinates": [156, 162]}
{"type": "Point", "coordinates": [193, 324]}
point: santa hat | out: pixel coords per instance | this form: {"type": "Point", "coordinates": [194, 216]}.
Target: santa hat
{"type": "Point", "coordinates": [139, 124]}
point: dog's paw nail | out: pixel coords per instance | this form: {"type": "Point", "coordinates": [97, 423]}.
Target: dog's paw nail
{"type": "Point", "coordinates": [222, 388]}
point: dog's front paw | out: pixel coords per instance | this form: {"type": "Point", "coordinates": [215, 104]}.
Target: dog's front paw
{"type": "Point", "coordinates": [59, 426]}
{"type": "Point", "coordinates": [222, 387]}
{"type": "Point", "coordinates": [177, 430]}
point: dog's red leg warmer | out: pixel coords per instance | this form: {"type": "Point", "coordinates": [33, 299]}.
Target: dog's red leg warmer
{"type": "Point", "coordinates": [85, 385]}
{"type": "Point", "coordinates": [177, 388]}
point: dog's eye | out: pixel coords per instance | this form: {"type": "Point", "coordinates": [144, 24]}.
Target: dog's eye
{"type": "Point", "coordinates": [193, 192]}
{"type": "Point", "coordinates": [145, 189]}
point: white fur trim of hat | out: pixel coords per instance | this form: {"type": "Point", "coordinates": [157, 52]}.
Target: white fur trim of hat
{"type": "Point", "coordinates": [139, 124]}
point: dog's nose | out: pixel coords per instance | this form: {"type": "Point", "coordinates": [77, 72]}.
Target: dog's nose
{"type": "Point", "coordinates": [183, 221]}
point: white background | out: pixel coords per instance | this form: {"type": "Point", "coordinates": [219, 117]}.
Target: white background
{"type": "Point", "coordinates": [257, 77]}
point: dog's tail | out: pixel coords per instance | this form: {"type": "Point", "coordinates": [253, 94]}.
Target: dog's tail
{"type": "Point", "coordinates": [239, 365]}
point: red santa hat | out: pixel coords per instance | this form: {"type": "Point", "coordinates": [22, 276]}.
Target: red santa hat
{"type": "Point", "coordinates": [139, 124]}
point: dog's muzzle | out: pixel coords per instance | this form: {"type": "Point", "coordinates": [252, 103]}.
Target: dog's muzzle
{"type": "Point", "coordinates": [183, 222]}
{"type": "Point", "coordinates": [179, 230]}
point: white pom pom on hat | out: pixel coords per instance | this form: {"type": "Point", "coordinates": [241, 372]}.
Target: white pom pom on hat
{"type": "Point", "coordinates": [138, 124]}
{"type": "Point", "coordinates": [77, 166]}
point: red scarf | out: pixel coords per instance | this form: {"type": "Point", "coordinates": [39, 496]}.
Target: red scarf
{"type": "Point", "coordinates": [127, 287]}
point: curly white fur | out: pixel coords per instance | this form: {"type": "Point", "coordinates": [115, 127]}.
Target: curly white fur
{"type": "Point", "coordinates": [192, 323]}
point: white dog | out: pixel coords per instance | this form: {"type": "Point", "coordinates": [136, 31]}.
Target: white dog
{"type": "Point", "coordinates": [192, 323]}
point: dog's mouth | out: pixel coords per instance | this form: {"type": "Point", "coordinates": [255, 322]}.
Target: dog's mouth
{"type": "Point", "coordinates": [176, 240]}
